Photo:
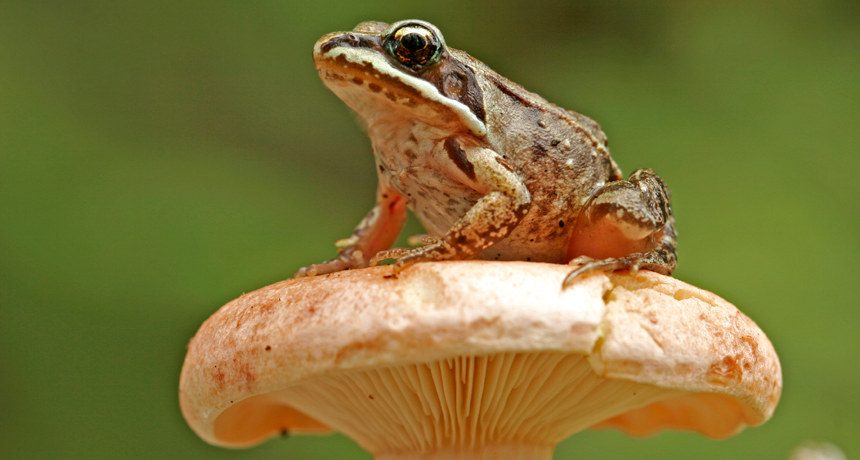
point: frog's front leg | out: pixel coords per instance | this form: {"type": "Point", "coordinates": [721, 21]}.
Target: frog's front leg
{"type": "Point", "coordinates": [504, 203]}
{"type": "Point", "coordinates": [376, 232]}
{"type": "Point", "coordinates": [625, 225]}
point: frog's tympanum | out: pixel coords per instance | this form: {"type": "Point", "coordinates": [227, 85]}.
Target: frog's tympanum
{"type": "Point", "coordinates": [491, 170]}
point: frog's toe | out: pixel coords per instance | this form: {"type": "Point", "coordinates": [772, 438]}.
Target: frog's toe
{"type": "Point", "coordinates": [581, 260]}
{"type": "Point", "coordinates": [422, 240]}
{"type": "Point", "coordinates": [652, 260]}
{"type": "Point", "coordinates": [633, 262]}
{"type": "Point", "coordinates": [588, 265]}
{"type": "Point", "coordinates": [305, 271]}
{"type": "Point", "coordinates": [394, 253]}
{"type": "Point", "coordinates": [329, 266]}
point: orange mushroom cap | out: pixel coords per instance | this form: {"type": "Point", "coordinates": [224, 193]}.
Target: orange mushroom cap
{"type": "Point", "coordinates": [455, 359]}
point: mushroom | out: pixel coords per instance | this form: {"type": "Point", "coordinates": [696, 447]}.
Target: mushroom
{"type": "Point", "coordinates": [476, 359]}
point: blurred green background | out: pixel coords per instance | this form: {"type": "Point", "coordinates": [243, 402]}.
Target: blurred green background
{"type": "Point", "coordinates": [160, 158]}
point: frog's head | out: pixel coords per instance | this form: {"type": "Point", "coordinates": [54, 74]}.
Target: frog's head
{"type": "Point", "coordinates": [401, 71]}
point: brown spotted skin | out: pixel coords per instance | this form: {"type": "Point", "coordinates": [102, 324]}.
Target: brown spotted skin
{"type": "Point", "coordinates": [491, 170]}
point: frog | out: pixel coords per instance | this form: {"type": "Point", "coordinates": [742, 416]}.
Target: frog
{"type": "Point", "coordinates": [491, 170]}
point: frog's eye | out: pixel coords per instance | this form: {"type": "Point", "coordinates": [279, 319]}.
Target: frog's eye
{"type": "Point", "coordinates": [414, 46]}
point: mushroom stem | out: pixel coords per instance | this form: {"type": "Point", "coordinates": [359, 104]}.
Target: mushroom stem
{"type": "Point", "coordinates": [490, 452]}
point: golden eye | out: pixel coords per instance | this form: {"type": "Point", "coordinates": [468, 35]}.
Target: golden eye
{"type": "Point", "coordinates": [414, 46]}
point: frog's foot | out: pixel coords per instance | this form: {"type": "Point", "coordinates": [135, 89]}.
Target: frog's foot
{"type": "Point", "coordinates": [432, 250]}
{"type": "Point", "coordinates": [349, 257]}
{"type": "Point", "coordinates": [394, 253]}
{"type": "Point", "coordinates": [657, 260]}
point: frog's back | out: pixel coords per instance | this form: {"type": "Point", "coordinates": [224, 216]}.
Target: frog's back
{"type": "Point", "coordinates": [560, 155]}
{"type": "Point", "coordinates": [496, 88]}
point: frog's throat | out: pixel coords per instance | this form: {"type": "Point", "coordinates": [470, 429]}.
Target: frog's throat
{"type": "Point", "coordinates": [361, 57]}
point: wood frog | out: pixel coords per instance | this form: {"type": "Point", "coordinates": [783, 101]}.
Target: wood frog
{"type": "Point", "coordinates": [491, 170]}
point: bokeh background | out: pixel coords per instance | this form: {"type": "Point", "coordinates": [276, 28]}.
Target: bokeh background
{"type": "Point", "coordinates": [160, 158]}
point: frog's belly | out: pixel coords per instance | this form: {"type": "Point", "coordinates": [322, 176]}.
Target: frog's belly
{"type": "Point", "coordinates": [520, 246]}
{"type": "Point", "coordinates": [542, 236]}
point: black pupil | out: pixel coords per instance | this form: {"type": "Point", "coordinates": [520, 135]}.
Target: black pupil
{"type": "Point", "coordinates": [413, 42]}
{"type": "Point", "coordinates": [414, 47]}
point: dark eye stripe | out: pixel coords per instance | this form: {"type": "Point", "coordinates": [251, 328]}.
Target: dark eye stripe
{"type": "Point", "coordinates": [455, 80]}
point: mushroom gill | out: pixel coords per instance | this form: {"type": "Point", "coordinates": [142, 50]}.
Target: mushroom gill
{"type": "Point", "coordinates": [528, 399]}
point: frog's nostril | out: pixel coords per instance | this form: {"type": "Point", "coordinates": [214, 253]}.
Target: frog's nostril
{"type": "Point", "coordinates": [329, 45]}
{"type": "Point", "coordinates": [350, 40]}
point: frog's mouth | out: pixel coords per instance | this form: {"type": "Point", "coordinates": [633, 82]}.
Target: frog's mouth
{"type": "Point", "coordinates": [355, 67]}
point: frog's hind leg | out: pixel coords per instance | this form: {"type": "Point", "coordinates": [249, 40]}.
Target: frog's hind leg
{"type": "Point", "coordinates": [625, 225]}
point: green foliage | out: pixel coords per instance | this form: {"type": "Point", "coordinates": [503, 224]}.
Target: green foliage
{"type": "Point", "coordinates": [158, 159]}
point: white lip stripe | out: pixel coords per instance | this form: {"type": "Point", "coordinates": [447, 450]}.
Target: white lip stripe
{"type": "Point", "coordinates": [361, 56]}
